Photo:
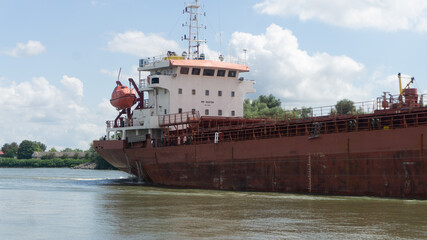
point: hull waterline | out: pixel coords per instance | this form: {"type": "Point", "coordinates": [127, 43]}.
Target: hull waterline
{"type": "Point", "coordinates": [372, 163]}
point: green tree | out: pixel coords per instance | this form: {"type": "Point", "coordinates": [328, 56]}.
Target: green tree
{"type": "Point", "coordinates": [50, 155]}
{"type": "Point", "coordinates": [306, 112]}
{"type": "Point", "coordinates": [296, 113]}
{"type": "Point", "coordinates": [10, 150]}
{"type": "Point", "coordinates": [67, 150]}
{"type": "Point", "coordinates": [76, 156]}
{"type": "Point", "coordinates": [300, 113]}
{"type": "Point", "coordinates": [345, 106]}
{"type": "Point", "coordinates": [262, 107]}
{"type": "Point", "coordinates": [41, 146]}
{"type": "Point", "coordinates": [27, 148]}
{"type": "Point", "coordinates": [270, 100]}
{"type": "Point", "coordinates": [53, 150]}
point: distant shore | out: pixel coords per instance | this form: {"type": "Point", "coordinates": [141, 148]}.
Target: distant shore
{"type": "Point", "coordinates": [43, 163]}
{"type": "Point", "coordinates": [87, 165]}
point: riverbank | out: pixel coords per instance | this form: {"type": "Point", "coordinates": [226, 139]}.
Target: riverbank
{"type": "Point", "coordinates": [87, 165]}
{"type": "Point", "coordinates": [42, 163]}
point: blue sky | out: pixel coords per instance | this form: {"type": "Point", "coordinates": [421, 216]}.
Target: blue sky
{"type": "Point", "coordinates": [59, 59]}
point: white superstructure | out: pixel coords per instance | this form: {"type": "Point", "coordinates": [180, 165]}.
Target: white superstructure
{"type": "Point", "coordinates": [212, 88]}
{"type": "Point", "coordinates": [178, 85]}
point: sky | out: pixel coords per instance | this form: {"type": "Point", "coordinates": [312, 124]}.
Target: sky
{"type": "Point", "coordinates": [59, 60]}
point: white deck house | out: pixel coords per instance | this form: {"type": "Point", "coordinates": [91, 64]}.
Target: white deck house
{"type": "Point", "coordinates": [176, 85]}
{"type": "Point", "coordinates": [212, 88]}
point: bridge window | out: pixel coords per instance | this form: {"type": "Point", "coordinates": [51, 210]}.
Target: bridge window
{"type": "Point", "coordinates": [184, 70]}
{"type": "Point", "coordinates": [195, 71]}
{"type": "Point", "coordinates": [193, 91]}
{"type": "Point", "coordinates": [155, 80]}
{"type": "Point", "coordinates": [179, 90]}
{"type": "Point", "coordinates": [219, 93]}
{"type": "Point", "coordinates": [207, 92]}
{"type": "Point", "coordinates": [219, 112]}
{"type": "Point", "coordinates": [231, 73]}
{"type": "Point", "coordinates": [208, 72]}
{"type": "Point", "coordinates": [220, 73]}
{"type": "Point", "coordinates": [206, 112]}
{"type": "Point", "coordinates": [179, 110]}
{"type": "Point", "coordinates": [233, 113]}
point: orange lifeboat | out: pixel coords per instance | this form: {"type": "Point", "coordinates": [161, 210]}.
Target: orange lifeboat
{"type": "Point", "coordinates": [123, 97]}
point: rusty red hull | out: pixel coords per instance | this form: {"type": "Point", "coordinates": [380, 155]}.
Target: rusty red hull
{"type": "Point", "coordinates": [371, 163]}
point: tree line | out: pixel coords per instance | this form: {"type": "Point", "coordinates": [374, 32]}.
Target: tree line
{"type": "Point", "coordinates": [21, 156]}
{"type": "Point", "coordinates": [270, 106]}
{"type": "Point", "coordinates": [26, 149]}
{"type": "Point", "coordinates": [44, 163]}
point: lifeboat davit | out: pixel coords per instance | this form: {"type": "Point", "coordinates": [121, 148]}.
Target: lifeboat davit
{"type": "Point", "coordinates": [123, 97]}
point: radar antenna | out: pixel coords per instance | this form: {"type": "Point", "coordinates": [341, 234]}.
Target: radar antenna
{"type": "Point", "coordinates": [192, 10]}
{"type": "Point", "coordinates": [118, 78]}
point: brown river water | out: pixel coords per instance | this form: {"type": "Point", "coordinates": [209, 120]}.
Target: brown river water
{"type": "Point", "coordinates": [89, 204]}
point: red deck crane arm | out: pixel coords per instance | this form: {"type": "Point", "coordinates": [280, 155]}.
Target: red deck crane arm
{"type": "Point", "coordinates": [140, 94]}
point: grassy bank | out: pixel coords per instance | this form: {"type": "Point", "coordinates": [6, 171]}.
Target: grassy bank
{"type": "Point", "coordinates": [44, 163]}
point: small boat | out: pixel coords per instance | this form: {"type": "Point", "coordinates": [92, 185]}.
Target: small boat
{"type": "Point", "coordinates": [123, 97]}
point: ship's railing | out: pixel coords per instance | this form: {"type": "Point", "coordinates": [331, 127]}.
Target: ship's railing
{"type": "Point", "coordinates": [228, 59]}
{"type": "Point", "coordinates": [401, 101]}
{"type": "Point", "coordinates": [323, 111]}
{"type": "Point", "coordinates": [358, 108]}
{"type": "Point", "coordinates": [179, 118]}
{"type": "Point", "coordinates": [121, 122]}
{"type": "Point", "coordinates": [151, 61]}
{"type": "Point", "coordinates": [305, 127]}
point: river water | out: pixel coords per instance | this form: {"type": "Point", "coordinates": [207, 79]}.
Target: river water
{"type": "Point", "coordinates": [92, 204]}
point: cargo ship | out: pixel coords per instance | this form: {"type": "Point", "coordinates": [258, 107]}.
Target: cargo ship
{"type": "Point", "coordinates": [182, 125]}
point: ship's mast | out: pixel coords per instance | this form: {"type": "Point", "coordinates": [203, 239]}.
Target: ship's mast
{"type": "Point", "coordinates": [192, 10]}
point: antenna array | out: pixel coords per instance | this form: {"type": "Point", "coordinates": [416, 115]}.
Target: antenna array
{"type": "Point", "coordinates": [193, 25]}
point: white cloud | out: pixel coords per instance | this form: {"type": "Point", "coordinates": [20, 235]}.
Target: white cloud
{"type": "Point", "coordinates": [124, 74]}
{"type": "Point", "coordinates": [422, 25]}
{"type": "Point", "coordinates": [140, 44]}
{"type": "Point", "coordinates": [388, 15]}
{"type": "Point", "coordinates": [73, 86]}
{"type": "Point", "coordinates": [104, 108]}
{"type": "Point", "coordinates": [30, 48]}
{"type": "Point", "coordinates": [37, 110]}
{"type": "Point", "coordinates": [280, 67]}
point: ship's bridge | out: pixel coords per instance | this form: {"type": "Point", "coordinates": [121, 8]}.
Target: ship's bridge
{"type": "Point", "coordinates": [176, 85]}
